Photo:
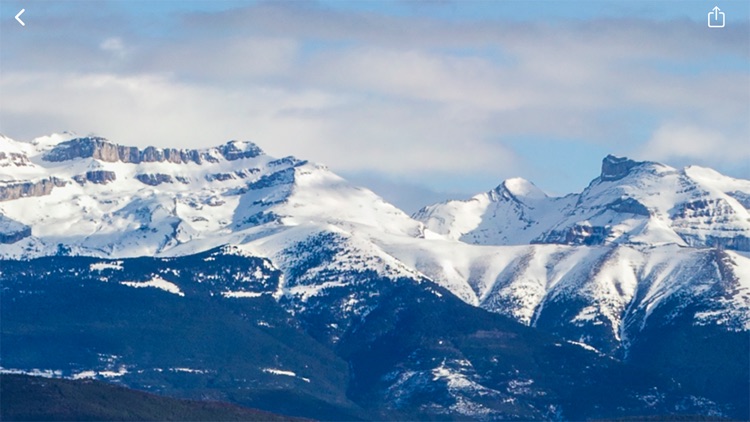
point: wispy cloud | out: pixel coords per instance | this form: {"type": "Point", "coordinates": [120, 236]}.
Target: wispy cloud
{"type": "Point", "coordinates": [688, 141]}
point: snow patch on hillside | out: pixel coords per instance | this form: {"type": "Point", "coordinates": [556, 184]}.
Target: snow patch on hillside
{"type": "Point", "coordinates": [242, 294]}
{"type": "Point", "coordinates": [101, 266]}
{"type": "Point", "coordinates": [282, 372]}
{"type": "Point", "coordinates": [156, 282]}
{"type": "Point", "coordinates": [45, 373]}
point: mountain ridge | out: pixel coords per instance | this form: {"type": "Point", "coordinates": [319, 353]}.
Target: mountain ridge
{"type": "Point", "coordinates": [411, 350]}
{"type": "Point", "coordinates": [670, 204]}
{"type": "Point", "coordinates": [644, 249]}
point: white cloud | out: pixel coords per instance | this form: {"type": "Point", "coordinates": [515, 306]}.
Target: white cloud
{"type": "Point", "coordinates": [224, 61]}
{"type": "Point", "coordinates": [688, 141]}
{"type": "Point", "coordinates": [402, 96]}
{"type": "Point", "coordinates": [346, 133]}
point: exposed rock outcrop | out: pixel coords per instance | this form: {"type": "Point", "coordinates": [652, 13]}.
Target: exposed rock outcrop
{"type": "Point", "coordinates": [287, 161]}
{"type": "Point", "coordinates": [242, 174]}
{"type": "Point", "coordinates": [578, 234]}
{"type": "Point", "coordinates": [104, 150]}
{"type": "Point", "coordinates": [11, 231]}
{"type": "Point", "coordinates": [221, 177]}
{"type": "Point", "coordinates": [737, 243]}
{"type": "Point", "coordinates": [703, 208]}
{"type": "Point", "coordinates": [100, 177]}
{"type": "Point", "coordinates": [629, 206]}
{"type": "Point", "coordinates": [28, 188]}
{"type": "Point", "coordinates": [16, 159]}
{"type": "Point", "coordinates": [282, 177]}
{"type": "Point", "coordinates": [154, 179]}
{"type": "Point", "coordinates": [742, 197]}
{"type": "Point", "coordinates": [615, 168]}
{"type": "Point", "coordinates": [235, 150]}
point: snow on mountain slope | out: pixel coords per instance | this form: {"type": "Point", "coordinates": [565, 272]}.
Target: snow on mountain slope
{"type": "Point", "coordinates": [630, 202]}
{"type": "Point", "coordinates": [602, 296]}
{"type": "Point", "coordinates": [592, 266]}
{"type": "Point", "coordinates": [114, 201]}
{"type": "Point", "coordinates": [637, 239]}
{"type": "Point", "coordinates": [515, 212]}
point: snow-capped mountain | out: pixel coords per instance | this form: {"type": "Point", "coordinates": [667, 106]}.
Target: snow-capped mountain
{"type": "Point", "coordinates": [89, 196]}
{"type": "Point", "coordinates": [93, 197]}
{"type": "Point", "coordinates": [612, 249]}
{"type": "Point", "coordinates": [602, 261]}
{"type": "Point", "coordinates": [645, 257]}
{"type": "Point", "coordinates": [630, 202]}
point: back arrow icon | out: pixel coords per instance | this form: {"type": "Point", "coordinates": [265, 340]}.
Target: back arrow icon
{"type": "Point", "coordinates": [18, 17]}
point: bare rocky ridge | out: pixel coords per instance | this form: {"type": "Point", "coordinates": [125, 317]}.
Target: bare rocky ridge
{"type": "Point", "coordinates": [103, 150]}
{"type": "Point", "coordinates": [615, 168]}
{"type": "Point", "coordinates": [100, 177]}
{"type": "Point", "coordinates": [631, 202]}
{"type": "Point", "coordinates": [12, 231]}
{"type": "Point", "coordinates": [14, 190]}
{"type": "Point", "coordinates": [154, 179]}
{"type": "Point", "coordinates": [578, 234]}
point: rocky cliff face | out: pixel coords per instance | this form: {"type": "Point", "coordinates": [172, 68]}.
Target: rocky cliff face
{"type": "Point", "coordinates": [15, 190]}
{"type": "Point", "coordinates": [738, 243]}
{"type": "Point", "coordinates": [101, 177]}
{"type": "Point", "coordinates": [154, 179]}
{"type": "Point", "coordinates": [631, 202]}
{"type": "Point", "coordinates": [615, 168]}
{"type": "Point", "coordinates": [15, 236]}
{"type": "Point", "coordinates": [12, 231]}
{"type": "Point", "coordinates": [103, 150]}
{"type": "Point", "coordinates": [236, 150]}
{"type": "Point", "coordinates": [578, 234]}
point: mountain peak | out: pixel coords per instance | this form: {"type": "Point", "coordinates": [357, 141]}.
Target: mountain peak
{"type": "Point", "coordinates": [234, 150]}
{"type": "Point", "coordinates": [519, 187]}
{"type": "Point", "coordinates": [615, 168]}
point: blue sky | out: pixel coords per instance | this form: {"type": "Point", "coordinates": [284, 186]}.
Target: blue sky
{"type": "Point", "coordinates": [419, 101]}
{"type": "Point", "coordinates": [520, 10]}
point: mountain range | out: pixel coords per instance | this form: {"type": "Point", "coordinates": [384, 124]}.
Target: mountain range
{"type": "Point", "coordinates": [228, 274]}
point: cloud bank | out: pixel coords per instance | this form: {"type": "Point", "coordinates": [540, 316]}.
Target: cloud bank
{"type": "Point", "coordinates": [445, 103]}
